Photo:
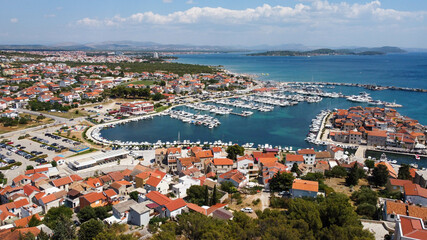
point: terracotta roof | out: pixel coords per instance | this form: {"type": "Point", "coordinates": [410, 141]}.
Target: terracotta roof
{"type": "Point", "coordinates": [294, 158]}
{"type": "Point", "coordinates": [234, 175]}
{"type": "Point", "coordinates": [305, 185]}
{"type": "Point", "coordinates": [29, 189]}
{"type": "Point", "coordinates": [153, 181]}
{"type": "Point", "coordinates": [378, 133]}
{"type": "Point", "coordinates": [267, 160]}
{"type": "Point", "coordinates": [204, 154]}
{"type": "Point", "coordinates": [110, 193]}
{"type": "Point", "coordinates": [406, 209]}
{"type": "Point", "coordinates": [398, 182]}
{"type": "Point", "coordinates": [23, 222]}
{"type": "Point", "coordinates": [306, 151]}
{"type": "Point", "coordinates": [215, 207]}
{"type": "Point", "coordinates": [412, 189]}
{"type": "Point", "coordinates": [93, 197]}
{"type": "Point", "coordinates": [390, 168]}
{"type": "Point", "coordinates": [21, 203]}
{"type": "Point", "coordinates": [8, 234]}
{"type": "Point", "coordinates": [197, 208]}
{"type": "Point", "coordinates": [323, 154]}
{"type": "Point", "coordinates": [176, 204]}
{"type": "Point", "coordinates": [116, 176]}
{"type": "Point", "coordinates": [62, 181]}
{"type": "Point", "coordinates": [49, 198]}
{"type": "Point", "coordinates": [222, 161]}
{"type": "Point", "coordinates": [412, 228]}
{"type": "Point", "coordinates": [158, 198]}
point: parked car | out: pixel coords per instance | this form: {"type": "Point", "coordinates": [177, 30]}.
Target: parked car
{"type": "Point", "coordinates": [247, 210]}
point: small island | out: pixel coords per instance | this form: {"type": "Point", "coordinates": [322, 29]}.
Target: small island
{"type": "Point", "coordinates": [331, 52]}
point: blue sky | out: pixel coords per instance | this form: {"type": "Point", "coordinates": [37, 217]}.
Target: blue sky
{"type": "Point", "coordinates": [332, 23]}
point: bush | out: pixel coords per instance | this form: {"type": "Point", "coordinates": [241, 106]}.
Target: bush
{"type": "Point", "coordinates": [277, 202]}
{"type": "Point", "coordinates": [256, 201]}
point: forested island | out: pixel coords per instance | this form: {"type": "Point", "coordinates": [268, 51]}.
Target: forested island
{"type": "Point", "coordinates": [328, 51]}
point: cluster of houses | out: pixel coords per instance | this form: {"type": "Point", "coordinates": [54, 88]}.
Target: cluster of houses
{"type": "Point", "coordinates": [374, 126]}
{"type": "Point", "coordinates": [60, 83]}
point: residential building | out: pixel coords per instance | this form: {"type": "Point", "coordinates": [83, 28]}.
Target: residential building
{"type": "Point", "coordinates": [304, 188]}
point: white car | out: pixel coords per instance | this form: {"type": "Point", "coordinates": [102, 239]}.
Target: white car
{"type": "Point", "coordinates": [247, 210]}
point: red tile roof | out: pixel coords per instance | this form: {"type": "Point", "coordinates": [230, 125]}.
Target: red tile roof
{"type": "Point", "coordinates": [294, 158]}
{"type": "Point", "coordinates": [412, 228]}
{"type": "Point", "coordinates": [176, 204]}
{"type": "Point", "coordinates": [158, 198]}
{"type": "Point", "coordinates": [306, 151]}
{"type": "Point", "coordinates": [222, 161]}
{"type": "Point", "coordinates": [305, 185]}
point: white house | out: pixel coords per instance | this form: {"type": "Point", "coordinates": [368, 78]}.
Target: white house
{"type": "Point", "coordinates": [415, 194]}
{"type": "Point", "coordinates": [304, 188]}
{"type": "Point", "coordinates": [234, 176]}
{"type": "Point", "coordinates": [159, 184]}
{"type": "Point", "coordinates": [309, 155]}
{"type": "Point", "coordinates": [139, 214]}
{"type": "Point", "coordinates": [185, 182]}
{"type": "Point", "coordinates": [175, 208]}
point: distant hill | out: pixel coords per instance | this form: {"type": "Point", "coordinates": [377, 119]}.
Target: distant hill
{"type": "Point", "coordinates": [328, 51]}
{"type": "Point", "coordinates": [119, 46]}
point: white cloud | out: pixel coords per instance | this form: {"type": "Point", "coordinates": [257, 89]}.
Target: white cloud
{"type": "Point", "coordinates": [49, 15]}
{"type": "Point", "coordinates": [90, 22]}
{"type": "Point", "coordinates": [167, 1]}
{"type": "Point", "coordinates": [314, 13]}
{"type": "Point", "coordinates": [189, 2]}
{"type": "Point", "coordinates": [13, 20]}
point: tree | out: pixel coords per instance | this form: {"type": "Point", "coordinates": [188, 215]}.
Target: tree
{"type": "Point", "coordinates": [134, 195]}
{"type": "Point", "coordinates": [337, 210]}
{"type": "Point", "coordinates": [281, 182]}
{"type": "Point", "coordinates": [196, 195]}
{"type": "Point", "coordinates": [102, 212]}
{"type": "Point", "coordinates": [337, 172]}
{"type": "Point", "coordinates": [206, 195]}
{"type": "Point", "coordinates": [29, 167]}
{"type": "Point", "coordinates": [354, 175]}
{"type": "Point", "coordinates": [214, 198]}
{"type": "Point", "coordinates": [63, 229]}
{"type": "Point", "coordinates": [90, 229]}
{"type": "Point", "coordinates": [234, 151]}
{"type": "Point", "coordinates": [34, 221]}
{"type": "Point", "coordinates": [55, 214]}
{"type": "Point", "coordinates": [380, 175]}
{"type": "Point", "coordinates": [27, 236]}
{"type": "Point", "coordinates": [369, 164]}
{"type": "Point", "coordinates": [228, 187]}
{"type": "Point", "coordinates": [367, 210]}
{"type": "Point", "coordinates": [404, 172]}
{"type": "Point", "coordinates": [42, 235]}
{"type": "Point", "coordinates": [295, 169]}
{"type": "Point", "coordinates": [86, 214]}
{"type": "Point", "coordinates": [307, 211]}
{"type": "Point", "coordinates": [158, 96]}
{"type": "Point", "coordinates": [54, 163]}
{"type": "Point", "coordinates": [365, 195]}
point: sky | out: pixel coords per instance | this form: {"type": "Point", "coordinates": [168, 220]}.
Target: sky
{"type": "Point", "coordinates": [332, 23]}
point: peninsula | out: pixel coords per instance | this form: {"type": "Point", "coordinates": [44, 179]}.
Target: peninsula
{"type": "Point", "coordinates": [328, 51]}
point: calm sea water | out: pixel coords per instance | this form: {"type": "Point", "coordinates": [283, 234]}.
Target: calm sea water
{"type": "Point", "coordinates": [289, 126]}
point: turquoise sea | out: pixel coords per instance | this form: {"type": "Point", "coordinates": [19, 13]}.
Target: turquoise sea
{"type": "Point", "coordinates": [288, 126]}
